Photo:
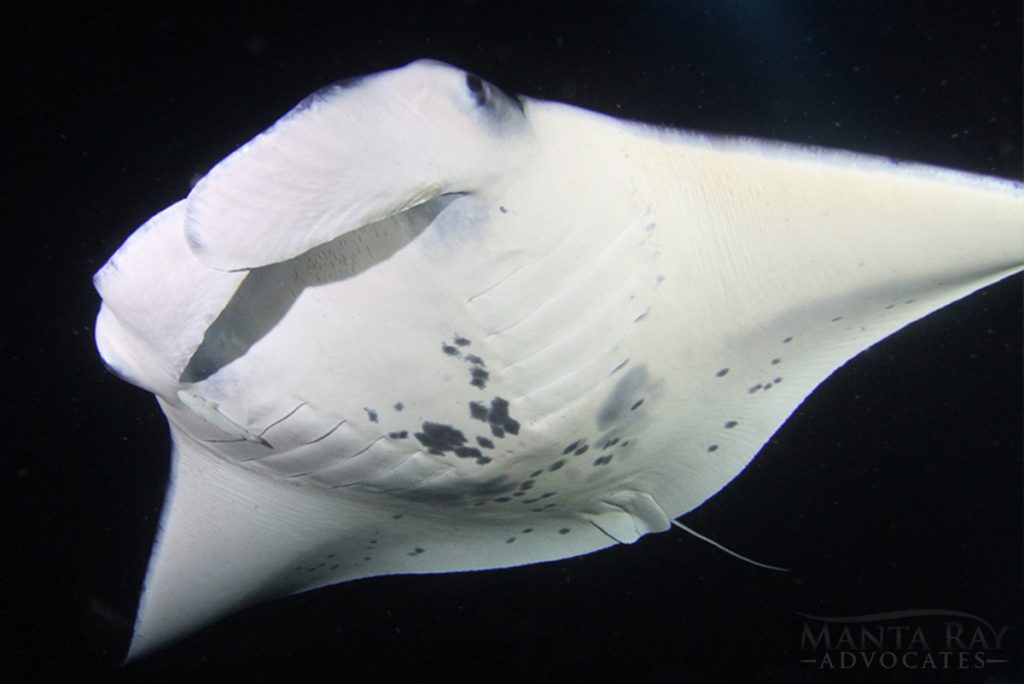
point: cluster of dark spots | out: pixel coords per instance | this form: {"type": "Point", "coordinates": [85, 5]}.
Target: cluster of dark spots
{"type": "Point", "coordinates": [557, 465]}
{"type": "Point", "coordinates": [478, 377]}
{"type": "Point", "coordinates": [722, 373]}
{"type": "Point", "coordinates": [371, 414]}
{"type": "Point", "coordinates": [729, 424]}
{"type": "Point", "coordinates": [439, 438]}
{"type": "Point", "coordinates": [484, 442]}
{"type": "Point", "coordinates": [400, 434]}
{"type": "Point", "coordinates": [415, 552]}
{"type": "Point", "coordinates": [564, 530]}
{"type": "Point", "coordinates": [603, 460]}
{"type": "Point", "coordinates": [497, 416]}
{"type": "Point", "coordinates": [610, 443]}
{"type": "Point", "coordinates": [399, 406]}
{"type": "Point", "coordinates": [713, 448]}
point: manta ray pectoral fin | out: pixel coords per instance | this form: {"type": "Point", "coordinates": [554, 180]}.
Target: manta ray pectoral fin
{"type": "Point", "coordinates": [352, 154]}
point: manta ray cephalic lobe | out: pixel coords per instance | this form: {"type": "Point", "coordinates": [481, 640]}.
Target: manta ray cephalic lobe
{"type": "Point", "coordinates": [419, 325]}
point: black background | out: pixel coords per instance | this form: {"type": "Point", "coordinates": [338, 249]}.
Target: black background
{"type": "Point", "coordinates": [897, 485]}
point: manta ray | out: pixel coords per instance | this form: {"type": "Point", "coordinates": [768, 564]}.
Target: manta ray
{"type": "Point", "coordinates": [420, 325]}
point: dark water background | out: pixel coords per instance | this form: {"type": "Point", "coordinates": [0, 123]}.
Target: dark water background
{"type": "Point", "coordinates": [897, 485]}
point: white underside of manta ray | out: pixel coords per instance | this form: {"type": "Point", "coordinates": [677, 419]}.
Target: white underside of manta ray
{"type": "Point", "coordinates": [421, 326]}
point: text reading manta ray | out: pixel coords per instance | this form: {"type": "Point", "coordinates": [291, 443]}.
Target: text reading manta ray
{"type": "Point", "coordinates": [419, 325]}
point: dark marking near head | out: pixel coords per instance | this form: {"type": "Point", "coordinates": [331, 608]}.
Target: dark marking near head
{"type": "Point", "coordinates": [712, 448]}
{"type": "Point", "coordinates": [729, 424]}
{"type": "Point", "coordinates": [371, 414]}
{"type": "Point", "coordinates": [557, 465]}
{"type": "Point", "coordinates": [449, 349]}
{"type": "Point", "coordinates": [484, 442]}
{"type": "Point", "coordinates": [476, 88]}
{"type": "Point", "coordinates": [438, 438]}
{"type": "Point", "coordinates": [400, 434]}
{"type": "Point", "coordinates": [491, 98]}
{"type": "Point", "coordinates": [461, 341]}
{"type": "Point", "coordinates": [399, 406]}
{"type": "Point", "coordinates": [722, 373]}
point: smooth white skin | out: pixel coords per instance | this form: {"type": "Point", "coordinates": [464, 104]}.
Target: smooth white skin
{"type": "Point", "coordinates": [664, 299]}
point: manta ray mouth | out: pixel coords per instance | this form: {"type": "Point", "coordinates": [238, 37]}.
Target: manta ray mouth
{"type": "Point", "coordinates": [267, 293]}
